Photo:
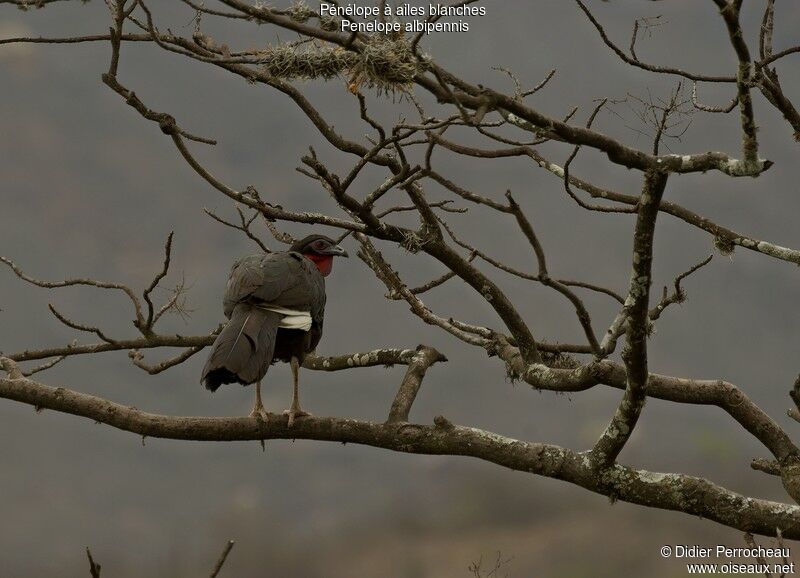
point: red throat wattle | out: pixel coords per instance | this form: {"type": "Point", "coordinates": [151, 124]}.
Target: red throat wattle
{"type": "Point", "coordinates": [323, 262]}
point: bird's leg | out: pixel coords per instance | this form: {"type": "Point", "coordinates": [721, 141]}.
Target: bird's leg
{"type": "Point", "coordinates": [258, 408]}
{"type": "Point", "coordinates": [295, 410]}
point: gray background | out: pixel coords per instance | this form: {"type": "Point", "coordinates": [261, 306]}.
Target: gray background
{"type": "Point", "coordinates": [89, 188]}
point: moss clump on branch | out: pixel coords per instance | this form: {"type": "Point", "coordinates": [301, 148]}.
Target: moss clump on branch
{"type": "Point", "coordinates": [387, 62]}
{"type": "Point", "coordinates": [383, 63]}
{"type": "Point", "coordinates": [289, 62]}
{"type": "Point", "coordinates": [301, 12]}
{"type": "Point", "coordinates": [724, 245]}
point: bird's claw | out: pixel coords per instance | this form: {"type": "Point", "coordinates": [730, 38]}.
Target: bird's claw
{"type": "Point", "coordinates": [295, 413]}
{"type": "Point", "coordinates": [260, 413]}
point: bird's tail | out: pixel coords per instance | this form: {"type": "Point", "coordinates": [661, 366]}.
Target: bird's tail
{"type": "Point", "coordinates": [243, 350]}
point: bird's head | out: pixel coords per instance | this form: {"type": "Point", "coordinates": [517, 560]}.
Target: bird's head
{"type": "Point", "coordinates": [321, 250]}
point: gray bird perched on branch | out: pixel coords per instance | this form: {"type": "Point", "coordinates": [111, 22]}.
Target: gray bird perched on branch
{"type": "Point", "coordinates": [275, 303]}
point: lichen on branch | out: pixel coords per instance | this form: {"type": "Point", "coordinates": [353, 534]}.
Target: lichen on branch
{"type": "Point", "coordinates": [384, 63]}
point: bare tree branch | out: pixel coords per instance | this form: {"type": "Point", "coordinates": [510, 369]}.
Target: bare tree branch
{"type": "Point", "coordinates": [634, 61]}
{"type": "Point", "coordinates": [619, 430]}
{"type": "Point", "coordinates": [657, 490]}
{"type": "Point", "coordinates": [222, 557]}
{"type": "Point", "coordinates": [407, 393]}
{"type": "Point", "coordinates": [94, 567]}
{"type": "Point", "coordinates": [451, 117]}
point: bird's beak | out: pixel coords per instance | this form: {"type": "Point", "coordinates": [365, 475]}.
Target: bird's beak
{"type": "Point", "coordinates": [336, 250]}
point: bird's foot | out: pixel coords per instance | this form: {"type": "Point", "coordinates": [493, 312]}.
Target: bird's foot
{"type": "Point", "coordinates": [260, 413]}
{"type": "Point", "coordinates": [295, 412]}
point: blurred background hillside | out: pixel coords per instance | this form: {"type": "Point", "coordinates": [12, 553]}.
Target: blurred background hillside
{"type": "Point", "coordinates": [88, 188]}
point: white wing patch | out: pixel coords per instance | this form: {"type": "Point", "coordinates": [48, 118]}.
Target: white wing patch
{"type": "Point", "coordinates": [292, 318]}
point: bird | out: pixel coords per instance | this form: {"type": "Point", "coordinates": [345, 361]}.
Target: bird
{"type": "Point", "coordinates": [275, 305]}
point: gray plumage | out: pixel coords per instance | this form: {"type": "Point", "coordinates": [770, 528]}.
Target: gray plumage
{"type": "Point", "coordinates": [252, 338]}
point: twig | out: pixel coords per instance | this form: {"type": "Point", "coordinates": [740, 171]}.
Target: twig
{"type": "Point", "coordinates": [633, 61]}
{"type": "Point", "coordinates": [375, 261]}
{"type": "Point", "coordinates": [544, 276]}
{"type": "Point", "coordinates": [678, 295]}
{"type": "Point", "coordinates": [137, 357]}
{"type": "Point", "coordinates": [222, 558]}
{"type": "Point", "coordinates": [80, 327]}
{"type": "Point", "coordinates": [770, 467]}
{"type": "Point", "coordinates": [44, 366]}
{"type": "Point", "coordinates": [159, 276]}
{"type": "Point", "coordinates": [720, 109]}
{"type": "Point", "coordinates": [72, 282]}
{"type": "Point", "coordinates": [433, 283]}
{"type": "Point", "coordinates": [243, 227]}
{"type": "Point", "coordinates": [94, 567]}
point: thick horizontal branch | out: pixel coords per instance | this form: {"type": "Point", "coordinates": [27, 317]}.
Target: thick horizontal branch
{"type": "Point", "coordinates": [725, 235]}
{"type": "Point", "coordinates": [118, 345]}
{"type": "Point", "coordinates": [74, 39]}
{"type": "Point", "coordinates": [374, 358]}
{"type": "Point", "coordinates": [537, 123]}
{"type": "Point", "coordinates": [377, 357]}
{"type": "Point", "coordinates": [719, 393]}
{"type": "Point", "coordinates": [695, 496]}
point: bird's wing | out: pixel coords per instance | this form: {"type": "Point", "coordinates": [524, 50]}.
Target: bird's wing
{"type": "Point", "coordinates": [286, 280]}
{"type": "Point", "coordinates": [304, 289]}
{"type": "Point", "coordinates": [255, 277]}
